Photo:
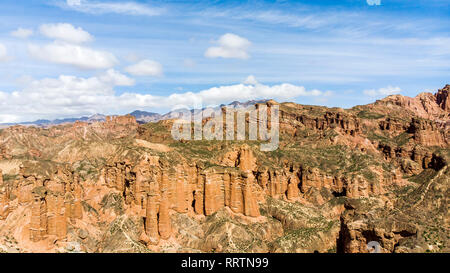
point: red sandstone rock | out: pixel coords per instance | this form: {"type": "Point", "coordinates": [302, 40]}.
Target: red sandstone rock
{"type": "Point", "coordinates": [236, 196]}
{"type": "Point", "coordinates": [250, 205]}
{"type": "Point", "coordinates": [210, 192]}
{"type": "Point", "coordinates": [293, 190]}
{"type": "Point", "coordinates": [38, 224]}
{"type": "Point", "coordinates": [151, 220]}
{"type": "Point", "coordinates": [155, 189]}
{"type": "Point", "coordinates": [164, 224]}
{"type": "Point", "coordinates": [443, 98]}
{"type": "Point", "coordinates": [4, 199]}
{"type": "Point", "coordinates": [247, 162]}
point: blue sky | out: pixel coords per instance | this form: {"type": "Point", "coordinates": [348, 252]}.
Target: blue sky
{"type": "Point", "coordinates": [63, 58]}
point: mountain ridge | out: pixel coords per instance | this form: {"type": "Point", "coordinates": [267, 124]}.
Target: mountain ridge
{"type": "Point", "coordinates": [340, 178]}
{"type": "Point", "coordinates": [441, 97]}
{"type": "Point", "coordinates": [140, 115]}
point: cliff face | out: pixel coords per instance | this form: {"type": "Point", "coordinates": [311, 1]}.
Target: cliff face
{"type": "Point", "coordinates": [4, 199]}
{"type": "Point", "coordinates": [443, 98]}
{"type": "Point", "coordinates": [420, 221]}
{"type": "Point", "coordinates": [153, 186]}
{"type": "Point", "coordinates": [339, 180]}
{"type": "Point", "coordinates": [53, 201]}
{"type": "Point", "coordinates": [427, 133]}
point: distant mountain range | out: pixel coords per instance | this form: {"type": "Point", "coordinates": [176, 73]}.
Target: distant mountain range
{"type": "Point", "coordinates": [141, 116]}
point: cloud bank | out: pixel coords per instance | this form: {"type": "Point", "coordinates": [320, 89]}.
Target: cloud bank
{"type": "Point", "coordinates": [71, 96]}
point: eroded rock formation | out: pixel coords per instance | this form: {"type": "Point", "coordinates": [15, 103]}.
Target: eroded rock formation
{"type": "Point", "coordinates": [339, 180]}
{"type": "Point", "coordinates": [4, 198]}
{"type": "Point", "coordinates": [443, 98]}
{"type": "Point", "coordinates": [54, 201]}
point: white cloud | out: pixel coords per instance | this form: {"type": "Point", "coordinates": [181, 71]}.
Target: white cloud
{"type": "Point", "coordinates": [22, 33]}
{"type": "Point", "coordinates": [76, 55]}
{"type": "Point", "coordinates": [145, 68]}
{"type": "Point", "coordinates": [65, 32]}
{"type": "Point", "coordinates": [73, 2]}
{"type": "Point", "coordinates": [97, 7]}
{"type": "Point", "coordinates": [241, 92]}
{"type": "Point", "coordinates": [65, 96]}
{"type": "Point", "coordinates": [116, 78]}
{"type": "Point", "coordinates": [70, 96]}
{"type": "Point", "coordinates": [3, 53]}
{"type": "Point", "coordinates": [250, 80]}
{"type": "Point", "coordinates": [385, 91]}
{"type": "Point", "coordinates": [8, 118]}
{"type": "Point", "coordinates": [230, 46]}
{"type": "Point", "coordinates": [374, 2]}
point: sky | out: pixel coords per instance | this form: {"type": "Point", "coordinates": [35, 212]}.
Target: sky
{"type": "Point", "coordinates": [73, 58]}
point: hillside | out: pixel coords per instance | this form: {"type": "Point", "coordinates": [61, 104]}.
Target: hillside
{"type": "Point", "coordinates": [340, 179]}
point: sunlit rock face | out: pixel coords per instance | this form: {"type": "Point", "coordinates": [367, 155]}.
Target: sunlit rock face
{"type": "Point", "coordinates": [339, 180]}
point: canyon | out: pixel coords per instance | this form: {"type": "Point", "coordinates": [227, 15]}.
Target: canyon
{"type": "Point", "coordinates": [340, 179]}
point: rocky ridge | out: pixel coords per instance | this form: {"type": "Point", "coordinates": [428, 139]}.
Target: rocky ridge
{"type": "Point", "coordinates": [340, 179]}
